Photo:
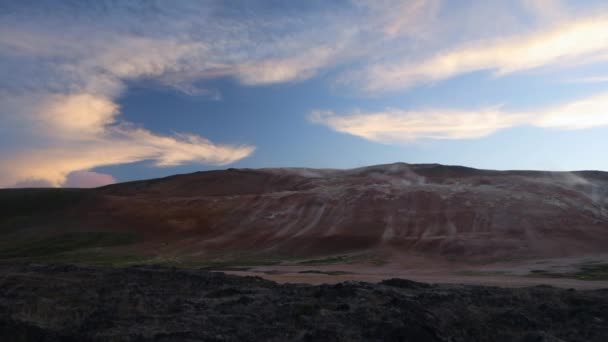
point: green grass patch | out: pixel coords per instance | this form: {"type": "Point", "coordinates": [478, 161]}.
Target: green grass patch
{"type": "Point", "coordinates": [333, 273]}
{"type": "Point", "coordinates": [26, 202]}
{"type": "Point", "coordinates": [593, 272]}
{"type": "Point", "coordinates": [585, 272]}
{"type": "Point", "coordinates": [87, 258]}
{"type": "Point", "coordinates": [15, 224]}
{"type": "Point", "coordinates": [481, 273]}
{"type": "Point", "coordinates": [229, 265]}
{"type": "Point", "coordinates": [46, 246]}
{"type": "Point", "coordinates": [26, 208]}
{"type": "Point", "coordinates": [343, 259]}
{"type": "Point", "coordinates": [209, 264]}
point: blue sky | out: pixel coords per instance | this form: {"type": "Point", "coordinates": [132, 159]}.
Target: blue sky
{"type": "Point", "coordinates": [99, 92]}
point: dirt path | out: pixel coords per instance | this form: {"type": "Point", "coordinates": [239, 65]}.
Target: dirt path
{"type": "Point", "coordinates": [489, 280]}
{"type": "Point", "coordinates": [331, 274]}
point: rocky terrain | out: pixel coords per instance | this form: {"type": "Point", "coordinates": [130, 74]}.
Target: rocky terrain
{"type": "Point", "coordinates": [427, 222]}
{"type": "Point", "coordinates": [430, 209]}
{"type": "Point", "coordinates": [68, 257]}
{"type": "Point", "coordinates": [69, 303]}
{"type": "Point", "coordinates": [278, 214]}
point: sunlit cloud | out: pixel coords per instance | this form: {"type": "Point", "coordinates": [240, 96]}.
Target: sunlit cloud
{"type": "Point", "coordinates": [581, 114]}
{"type": "Point", "coordinates": [32, 183]}
{"type": "Point", "coordinates": [65, 65]}
{"type": "Point", "coordinates": [589, 79]}
{"type": "Point", "coordinates": [571, 42]}
{"type": "Point", "coordinates": [66, 133]}
{"type": "Point", "coordinates": [87, 179]}
{"type": "Point", "coordinates": [546, 10]}
{"type": "Point", "coordinates": [62, 101]}
{"type": "Point", "coordinates": [395, 126]}
{"type": "Point", "coordinates": [117, 145]}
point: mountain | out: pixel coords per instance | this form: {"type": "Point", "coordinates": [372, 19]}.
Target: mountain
{"type": "Point", "coordinates": [292, 213]}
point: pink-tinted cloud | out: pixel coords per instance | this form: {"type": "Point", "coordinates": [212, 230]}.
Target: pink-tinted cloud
{"type": "Point", "coordinates": [33, 183]}
{"type": "Point", "coordinates": [87, 179]}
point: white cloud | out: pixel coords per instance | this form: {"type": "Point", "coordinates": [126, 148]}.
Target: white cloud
{"type": "Point", "coordinates": [585, 113]}
{"type": "Point", "coordinates": [59, 109]}
{"type": "Point", "coordinates": [589, 79]}
{"type": "Point", "coordinates": [571, 42]}
{"type": "Point", "coordinates": [399, 126]}
{"type": "Point", "coordinates": [59, 134]}
{"type": "Point", "coordinates": [116, 145]}
{"type": "Point", "coordinates": [65, 64]}
{"type": "Point", "coordinates": [394, 126]}
{"type": "Point", "coordinates": [546, 10]}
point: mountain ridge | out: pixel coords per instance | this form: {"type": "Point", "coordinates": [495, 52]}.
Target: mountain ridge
{"type": "Point", "coordinates": [281, 213]}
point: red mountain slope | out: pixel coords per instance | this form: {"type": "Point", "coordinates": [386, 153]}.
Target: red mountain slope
{"type": "Point", "coordinates": [430, 209]}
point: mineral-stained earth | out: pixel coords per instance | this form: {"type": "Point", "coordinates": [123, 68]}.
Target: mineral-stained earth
{"type": "Point", "coordinates": [152, 303]}
{"type": "Point", "coordinates": [310, 255]}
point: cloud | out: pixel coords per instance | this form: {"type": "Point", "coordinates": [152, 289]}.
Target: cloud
{"type": "Point", "coordinates": [286, 69]}
{"type": "Point", "coordinates": [399, 126]}
{"type": "Point", "coordinates": [65, 145]}
{"type": "Point", "coordinates": [59, 134]}
{"type": "Point", "coordinates": [87, 179]}
{"type": "Point", "coordinates": [571, 42]}
{"type": "Point", "coordinates": [394, 19]}
{"type": "Point", "coordinates": [63, 76]}
{"type": "Point", "coordinates": [65, 64]}
{"type": "Point", "coordinates": [395, 126]}
{"type": "Point", "coordinates": [589, 79]}
{"type": "Point", "coordinates": [33, 183]}
{"type": "Point", "coordinates": [546, 10]}
{"type": "Point", "coordinates": [585, 113]}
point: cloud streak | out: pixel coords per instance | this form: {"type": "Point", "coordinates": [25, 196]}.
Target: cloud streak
{"type": "Point", "coordinates": [66, 64]}
{"type": "Point", "coordinates": [589, 79]}
{"type": "Point", "coordinates": [61, 97]}
{"type": "Point", "coordinates": [572, 42]}
{"type": "Point", "coordinates": [395, 126]}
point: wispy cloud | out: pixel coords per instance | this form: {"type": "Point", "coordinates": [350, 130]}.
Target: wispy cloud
{"type": "Point", "coordinates": [118, 145]}
{"type": "Point", "coordinates": [60, 95]}
{"type": "Point", "coordinates": [589, 79]}
{"type": "Point", "coordinates": [546, 10]}
{"type": "Point", "coordinates": [65, 64]}
{"type": "Point", "coordinates": [395, 126]}
{"type": "Point", "coordinates": [59, 134]}
{"type": "Point", "coordinates": [398, 126]}
{"type": "Point", "coordinates": [573, 41]}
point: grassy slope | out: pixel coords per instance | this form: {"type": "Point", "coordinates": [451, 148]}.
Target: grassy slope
{"type": "Point", "coordinates": [32, 223]}
{"type": "Point", "coordinates": [33, 226]}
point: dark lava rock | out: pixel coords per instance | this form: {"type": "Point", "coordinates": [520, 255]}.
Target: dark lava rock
{"type": "Point", "coordinates": [69, 303]}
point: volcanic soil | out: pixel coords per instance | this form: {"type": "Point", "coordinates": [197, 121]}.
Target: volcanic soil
{"type": "Point", "coordinates": [427, 222]}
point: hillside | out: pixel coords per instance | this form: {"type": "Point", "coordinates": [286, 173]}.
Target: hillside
{"type": "Point", "coordinates": [268, 216]}
{"type": "Point", "coordinates": [426, 208]}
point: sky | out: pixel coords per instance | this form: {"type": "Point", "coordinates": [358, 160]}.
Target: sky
{"type": "Point", "coordinates": [98, 92]}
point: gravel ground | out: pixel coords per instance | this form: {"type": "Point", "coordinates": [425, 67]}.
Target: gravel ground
{"type": "Point", "coordinates": [70, 303]}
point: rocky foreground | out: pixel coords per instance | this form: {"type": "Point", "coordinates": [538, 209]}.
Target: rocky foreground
{"type": "Point", "coordinates": [70, 303]}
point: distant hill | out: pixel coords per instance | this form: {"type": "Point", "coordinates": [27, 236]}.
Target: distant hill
{"type": "Point", "coordinates": [282, 213]}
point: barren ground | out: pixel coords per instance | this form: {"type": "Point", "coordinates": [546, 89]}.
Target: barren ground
{"type": "Point", "coordinates": [68, 303]}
